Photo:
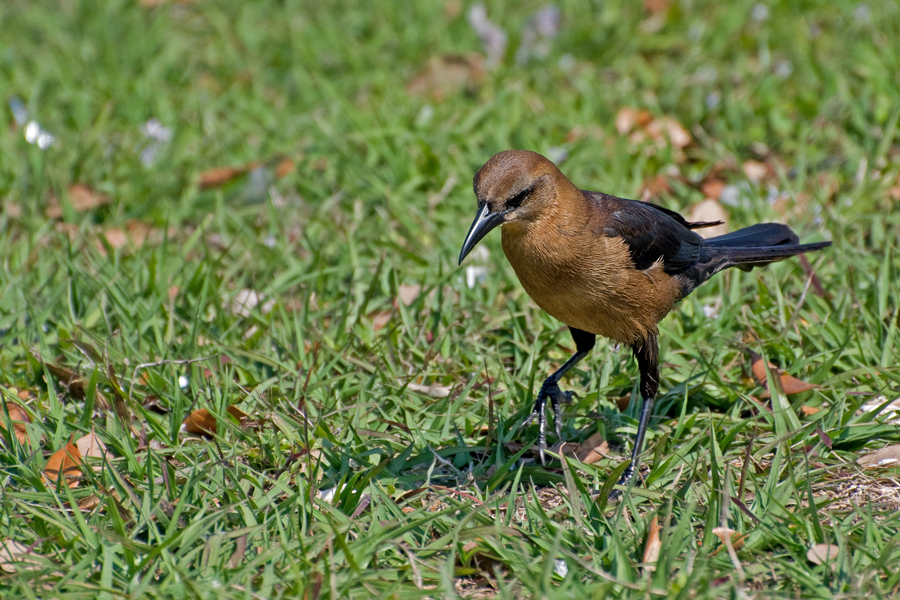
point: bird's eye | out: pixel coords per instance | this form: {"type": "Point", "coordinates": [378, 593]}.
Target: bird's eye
{"type": "Point", "coordinates": [517, 200]}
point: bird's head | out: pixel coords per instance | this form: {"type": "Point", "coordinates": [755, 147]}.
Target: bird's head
{"type": "Point", "coordinates": [514, 186]}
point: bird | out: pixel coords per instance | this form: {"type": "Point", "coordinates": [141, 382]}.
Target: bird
{"type": "Point", "coordinates": [605, 265]}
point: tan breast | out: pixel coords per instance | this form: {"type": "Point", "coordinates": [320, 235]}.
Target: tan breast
{"type": "Point", "coordinates": [588, 281]}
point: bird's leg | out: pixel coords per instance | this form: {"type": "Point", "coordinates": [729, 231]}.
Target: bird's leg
{"type": "Point", "coordinates": [584, 342]}
{"type": "Point", "coordinates": [647, 355]}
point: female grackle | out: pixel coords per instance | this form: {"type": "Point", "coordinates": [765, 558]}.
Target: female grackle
{"type": "Point", "coordinates": [604, 265]}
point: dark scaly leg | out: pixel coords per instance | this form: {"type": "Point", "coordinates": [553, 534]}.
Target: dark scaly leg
{"type": "Point", "coordinates": [647, 355]}
{"type": "Point", "coordinates": [584, 342]}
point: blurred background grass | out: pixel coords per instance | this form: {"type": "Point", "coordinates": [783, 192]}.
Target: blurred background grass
{"type": "Point", "coordinates": [278, 190]}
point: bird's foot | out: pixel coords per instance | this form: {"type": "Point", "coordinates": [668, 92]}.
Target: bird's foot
{"type": "Point", "coordinates": [623, 481]}
{"type": "Point", "coordinates": [549, 390]}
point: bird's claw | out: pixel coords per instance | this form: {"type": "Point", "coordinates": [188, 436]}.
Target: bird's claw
{"type": "Point", "coordinates": [549, 390]}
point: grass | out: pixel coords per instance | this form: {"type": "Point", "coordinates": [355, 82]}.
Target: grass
{"type": "Point", "coordinates": [344, 481]}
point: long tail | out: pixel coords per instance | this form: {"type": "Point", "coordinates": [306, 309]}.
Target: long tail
{"type": "Point", "coordinates": [754, 246]}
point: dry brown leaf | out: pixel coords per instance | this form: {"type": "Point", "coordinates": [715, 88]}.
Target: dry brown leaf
{"type": "Point", "coordinates": [667, 127]}
{"type": "Point", "coordinates": [66, 461]}
{"type": "Point", "coordinates": [15, 556]}
{"type": "Point", "coordinates": [432, 391]}
{"type": "Point", "coordinates": [889, 456]}
{"type": "Point", "coordinates": [789, 385]}
{"type": "Point", "coordinates": [821, 554]}
{"type": "Point", "coordinates": [894, 192]}
{"type": "Point", "coordinates": [443, 76]}
{"type": "Point", "coordinates": [219, 176]}
{"type": "Point", "coordinates": [380, 319]}
{"type": "Point", "coordinates": [655, 186]}
{"type": "Point", "coordinates": [712, 188]}
{"type": "Point", "coordinates": [13, 210]}
{"type": "Point", "coordinates": [115, 237]}
{"type": "Point", "coordinates": [628, 118]}
{"type": "Point", "coordinates": [80, 197]}
{"type": "Point", "coordinates": [653, 545]}
{"type": "Point", "coordinates": [18, 417]}
{"type": "Point", "coordinates": [655, 7]}
{"type": "Point", "coordinates": [135, 235]}
{"type": "Point", "coordinates": [755, 170]}
{"type": "Point", "coordinates": [237, 413]}
{"type": "Point", "coordinates": [589, 451]}
{"type": "Point", "coordinates": [408, 293]}
{"type": "Point", "coordinates": [203, 422]}
{"type": "Point", "coordinates": [709, 211]}
{"type": "Point", "coordinates": [90, 446]}
{"type": "Point", "coordinates": [724, 533]}
{"type": "Point", "coordinates": [284, 168]}
{"type": "Point", "coordinates": [622, 402]}
{"type": "Point", "coordinates": [89, 503]}
{"type": "Point", "coordinates": [281, 166]}
{"type": "Point", "coordinates": [75, 384]}
{"type": "Point", "coordinates": [200, 422]}
{"type": "Point", "coordinates": [810, 410]}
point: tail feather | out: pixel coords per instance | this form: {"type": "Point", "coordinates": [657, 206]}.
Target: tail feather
{"type": "Point", "coordinates": [754, 246]}
{"type": "Point", "coordinates": [756, 236]}
{"type": "Point", "coordinates": [755, 256]}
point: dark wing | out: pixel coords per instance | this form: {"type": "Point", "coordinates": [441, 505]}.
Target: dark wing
{"type": "Point", "coordinates": [651, 232]}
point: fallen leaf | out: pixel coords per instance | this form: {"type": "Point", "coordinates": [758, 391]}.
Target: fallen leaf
{"type": "Point", "coordinates": [655, 186]}
{"type": "Point", "coordinates": [66, 461]}
{"type": "Point", "coordinates": [240, 549]}
{"type": "Point", "coordinates": [237, 413]}
{"type": "Point", "coordinates": [220, 176]}
{"type": "Point", "coordinates": [284, 168]}
{"type": "Point", "coordinates": [824, 438]}
{"type": "Point", "coordinates": [653, 545]}
{"type": "Point", "coordinates": [657, 6]}
{"type": "Point", "coordinates": [13, 210]}
{"type": "Point", "coordinates": [890, 412]}
{"type": "Point", "coordinates": [444, 76]}
{"type": "Point", "coordinates": [244, 301]}
{"type": "Point", "coordinates": [755, 170]}
{"type": "Point", "coordinates": [203, 422]}
{"type": "Point", "coordinates": [724, 533]}
{"type": "Point", "coordinates": [821, 554]}
{"type": "Point", "coordinates": [667, 127]}
{"type": "Point", "coordinates": [18, 417]}
{"type": "Point", "coordinates": [709, 211]}
{"type": "Point", "coordinates": [90, 446]}
{"type": "Point", "coordinates": [408, 293]}
{"type": "Point", "coordinates": [628, 118]}
{"type": "Point", "coordinates": [712, 188]}
{"type": "Point", "coordinates": [71, 380]}
{"type": "Point", "coordinates": [135, 235]}
{"type": "Point", "coordinates": [622, 402]}
{"type": "Point", "coordinates": [432, 391]}
{"type": "Point", "coordinates": [380, 319]}
{"type": "Point", "coordinates": [789, 385]}
{"type": "Point", "coordinates": [89, 503]}
{"type": "Point", "coordinates": [16, 556]}
{"type": "Point", "coordinates": [889, 456]}
{"type": "Point", "coordinates": [810, 410]}
{"type": "Point", "coordinates": [589, 451]}
{"type": "Point", "coordinates": [200, 422]}
{"type": "Point", "coordinates": [80, 197]}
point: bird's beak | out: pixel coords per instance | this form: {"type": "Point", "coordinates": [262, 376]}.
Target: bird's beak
{"type": "Point", "coordinates": [483, 223]}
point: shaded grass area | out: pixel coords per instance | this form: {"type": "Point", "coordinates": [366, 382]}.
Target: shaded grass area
{"type": "Point", "coordinates": [345, 481]}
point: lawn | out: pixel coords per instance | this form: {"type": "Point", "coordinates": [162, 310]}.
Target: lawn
{"type": "Point", "coordinates": [238, 358]}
